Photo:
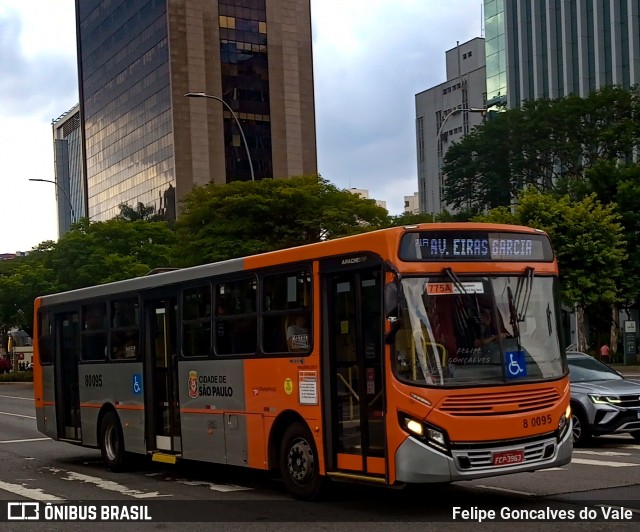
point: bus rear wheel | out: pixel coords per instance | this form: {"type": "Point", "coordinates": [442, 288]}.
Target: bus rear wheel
{"type": "Point", "coordinates": [299, 463]}
{"type": "Point", "coordinates": [112, 442]}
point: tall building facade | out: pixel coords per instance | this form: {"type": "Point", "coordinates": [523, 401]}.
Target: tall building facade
{"type": "Point", "coordinates": [444, 114]}
{"type": "Point", "coordinates": [71, 192]}
{"type": "Point", "coordinates": [412, 204]}
{"type": "Point", "coordinates": [553, 48]}
{"type": "Point", "coordinates": [146, 142]}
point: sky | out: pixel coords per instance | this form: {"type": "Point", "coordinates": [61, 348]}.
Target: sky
{"type": "Point", "coordinates": [370, 59]}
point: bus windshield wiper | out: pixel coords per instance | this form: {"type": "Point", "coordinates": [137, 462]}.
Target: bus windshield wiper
{"type": "Point", "coordinates": [523, 294]}
{"type": "Point", "coordinates": [513, 316]}
{"type": "Point", "coordinates": [463, 292]}
{"type": "Point", "coordinates": [461, 314]}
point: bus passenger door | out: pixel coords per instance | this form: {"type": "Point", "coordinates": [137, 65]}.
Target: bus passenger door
{"type": "Point", "coordinates": [163, 416]}
{"type": "Point", "coordinates": [67, 326]}
{"type": "Point", "coordinates": [354, 372]}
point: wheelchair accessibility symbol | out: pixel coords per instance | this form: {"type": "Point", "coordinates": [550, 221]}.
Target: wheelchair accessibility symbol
{"type": "Point", "coordinates": [515, 364]}
{"type": "Point", "coordinates": [137, 384]}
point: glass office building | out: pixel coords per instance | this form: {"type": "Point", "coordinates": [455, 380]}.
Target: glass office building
{"type": "Point", "coordinates": [68, 168]}
{"type": "Point", "coordinates": [553, 48]}
{"type": "Point", "coordinates": [495, 53]}
{"type": "Point", "coordinates": [146, 142]}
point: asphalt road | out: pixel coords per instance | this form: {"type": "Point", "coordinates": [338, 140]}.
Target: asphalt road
{"type": "Point", "coordinates": [192, 496]}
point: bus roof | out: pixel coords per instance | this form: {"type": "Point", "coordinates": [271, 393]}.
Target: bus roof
{"type": "Point", "coordinates": [382, 241]}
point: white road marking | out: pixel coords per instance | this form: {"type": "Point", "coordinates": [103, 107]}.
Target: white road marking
{"type": "Point", "coordinates": [552, 469]}
{"type": "Point", "coordinates": [586, 461]}
{"type": "Point", "coordinates": [506, 490]}
{"type": "Point", "coordinates": [215, 487]}
{"type": "Point", "coordinates": [24, 441]}
{"type": "Point", "coordinates": [16, 397]}
{"type": "Point", "coordinates": [108, 485]}
{"type": "Point", "coordinates": [30, 493]}
{"type": "Point", "coordinates": [17, 415]}
{"type": "Point", "coordinates": [602, 453]}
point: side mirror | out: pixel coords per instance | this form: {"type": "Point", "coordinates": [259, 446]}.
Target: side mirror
{"type": "Point", "coordinates": [392, 297]}
{"type": "Point", "coordinates": [391, 301]}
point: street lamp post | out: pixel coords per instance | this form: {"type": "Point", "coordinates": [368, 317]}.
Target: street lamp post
{"type": "Point", "coordinates": [244, 139]}
{"type": "Point", "coordinates": [439, 152]}
{"type": "Point", "coordinates": [64, 192]}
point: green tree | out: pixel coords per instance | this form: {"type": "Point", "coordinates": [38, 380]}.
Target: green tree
{"type": "Point", "coordinates": [546, 144]}
{"type": "Point", "coordinates": [140, 212]}
{"type": "Point", "coordinates": [588, 240]}
{"type": "Point", "coordinates": [247, 217]}
{"type": "Point", "coordinates": [21, 281]}
{"type": "Point", "coordinates": [410, 219]}
{"type": "Point", "coordinates": [102, 252]}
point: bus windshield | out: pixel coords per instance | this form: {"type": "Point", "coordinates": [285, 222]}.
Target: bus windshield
{"type": "Point", "coordinates": [479, 330]}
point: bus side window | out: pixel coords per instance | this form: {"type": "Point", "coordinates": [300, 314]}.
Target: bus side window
{"type": "Point", "coordinates": [196, 321]}
{"type": "Point", "coordinates": [45, 337]}
{"type": "Point", "coordinates": [124, 329]}
{"type": "Point", "coordinates": [235, 324]}
{"type": "Point", "coordinates": [286, 318]}
{"type": "Point", "coordinates": [94, 331]}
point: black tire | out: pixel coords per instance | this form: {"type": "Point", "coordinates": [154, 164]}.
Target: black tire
{"type": "Point", "coordinates": [580, 427]}
{"type": "Point", "coordinates": [635, 435]}
{"type": "Point", "coordinates": [112, 442]}
{"type": "Point", "coordinates": [299, 463]}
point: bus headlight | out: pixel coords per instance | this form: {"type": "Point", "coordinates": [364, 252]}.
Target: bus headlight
{"type": "Point", "coordinates": [425, 432]}
{"type": "Point", "coordinates": [414, 426]}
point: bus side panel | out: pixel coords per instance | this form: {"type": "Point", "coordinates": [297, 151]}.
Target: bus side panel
{"type": "Point", "coordinates": [203, 436]}
{"type": "Point", "coordinates": [112, 384]}
{"type": "Point", "coordinates": [128, 392]}
{"type": "Point", "coordinates": [95, 384]}
{"type": "Point", "coordinates": [46, 416]}
{"type": "Point", "coordinates": [256, 453]}
{"type": "Point", "coordinates": [212, 407]}
{"type": "Point", "coordinates": [273, 387]}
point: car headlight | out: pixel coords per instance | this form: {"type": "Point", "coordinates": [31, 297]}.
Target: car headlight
{"type": "Point", "coordinates": [425, 432]}
{"type": "Point", "coordinates": [604, 399]}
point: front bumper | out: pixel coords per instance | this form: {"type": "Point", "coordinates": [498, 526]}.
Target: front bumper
{"type": "Point", "coordinates": [610, 420]}
{"type": "Point", "coordinates": [416, 462]}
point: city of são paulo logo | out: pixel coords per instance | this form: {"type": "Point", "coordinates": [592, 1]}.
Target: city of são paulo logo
{"type": "Point", "coordinates": [208, 385]}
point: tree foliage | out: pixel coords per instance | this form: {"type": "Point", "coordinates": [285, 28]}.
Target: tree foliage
{"type": "Point", "coordinates": [247, 217]}
{"type": "Point", "coordinates": [139, 212]}
{"type": "Point", "coordinates": [546, 144]}
{"type": "Point", "coordinates": [90, 254]}
{"type": "Point", "coordinates": [588, 240]}
{"type": "Point", "coordinates": [103, 252]}
{"type": "Point", "coordinates": [587, 237]}
{"type": "Point", "coordinates": [620, 185]}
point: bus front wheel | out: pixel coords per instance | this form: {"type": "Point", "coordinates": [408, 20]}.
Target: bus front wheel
{"type": "Point", "coordinates": [112, 442]}
{"type": "Point", "coordinates": [299, 463]}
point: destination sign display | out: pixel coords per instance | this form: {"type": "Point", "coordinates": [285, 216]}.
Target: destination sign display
{"type": "Point", "coordinates": [475, 246]}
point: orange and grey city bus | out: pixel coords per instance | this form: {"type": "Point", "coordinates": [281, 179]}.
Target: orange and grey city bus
{"type": "Point", "coordinates": [418, 354]}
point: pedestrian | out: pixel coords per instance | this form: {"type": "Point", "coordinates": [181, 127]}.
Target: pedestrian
{"type": "Point", "coordinates": [604, 353]}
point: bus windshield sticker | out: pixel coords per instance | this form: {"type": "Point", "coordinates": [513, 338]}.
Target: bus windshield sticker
{"type": "Point", "coordinates": [515, 364]}
{"type": "Point", "coordinates": [444, 289]}
{"type": "Point", "coordinates": [308, 387]}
